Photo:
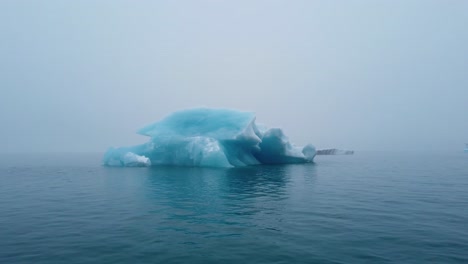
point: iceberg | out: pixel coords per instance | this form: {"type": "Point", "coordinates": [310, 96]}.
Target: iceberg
{"type": "Point", "coordinates": [205, 137]}
{"type": "Point", "coordinates": [334, 152]}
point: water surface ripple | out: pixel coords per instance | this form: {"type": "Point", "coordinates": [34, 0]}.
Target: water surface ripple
{"type": "Point", "coordinates": [366, 208]}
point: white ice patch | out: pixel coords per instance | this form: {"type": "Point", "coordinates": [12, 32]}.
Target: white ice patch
{"type": "Point", "coordinates": [133, 160]}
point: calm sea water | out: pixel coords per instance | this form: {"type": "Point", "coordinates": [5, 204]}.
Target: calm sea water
{"type": "Point", "coordinates": [366, 208]}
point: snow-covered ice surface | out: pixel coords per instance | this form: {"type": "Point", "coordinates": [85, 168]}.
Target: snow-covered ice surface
{"type": "Point", "coordinates": [208, 137]}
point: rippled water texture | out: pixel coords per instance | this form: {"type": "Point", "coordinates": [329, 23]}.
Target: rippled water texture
{"type": "Point", "coordinates": [366, 208]}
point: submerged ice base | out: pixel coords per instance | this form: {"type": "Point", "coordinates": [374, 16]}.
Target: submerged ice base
{"type": "Point", "coordinates": [210, 138]}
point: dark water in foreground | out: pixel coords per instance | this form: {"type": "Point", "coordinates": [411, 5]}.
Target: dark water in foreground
{"type": "Point", "coordinates": [366, 208]}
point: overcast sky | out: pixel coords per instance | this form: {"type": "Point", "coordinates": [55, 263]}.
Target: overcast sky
{"type": "Point", "coordinates": [363, 75]}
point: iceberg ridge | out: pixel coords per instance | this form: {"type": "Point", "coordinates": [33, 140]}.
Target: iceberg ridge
{"type": "Point", "coordinates": [208, 137]}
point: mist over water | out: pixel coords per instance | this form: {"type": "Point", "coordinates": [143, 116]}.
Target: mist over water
{"type": "Point", "coordinates": [363, 75]}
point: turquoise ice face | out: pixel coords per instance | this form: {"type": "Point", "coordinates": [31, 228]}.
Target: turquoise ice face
{"type": "Point", "coordinates": [210, 138]}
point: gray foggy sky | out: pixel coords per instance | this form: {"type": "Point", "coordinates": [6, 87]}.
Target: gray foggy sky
{"type": "Point", "coordinates": [364, 75]}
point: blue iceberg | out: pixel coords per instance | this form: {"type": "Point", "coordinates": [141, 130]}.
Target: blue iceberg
{"type": "Point", "coordinates": [205, 137]}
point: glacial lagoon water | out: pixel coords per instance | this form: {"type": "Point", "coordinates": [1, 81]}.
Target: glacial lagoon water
{"type": "Point", "coordinates": [364, 208]}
